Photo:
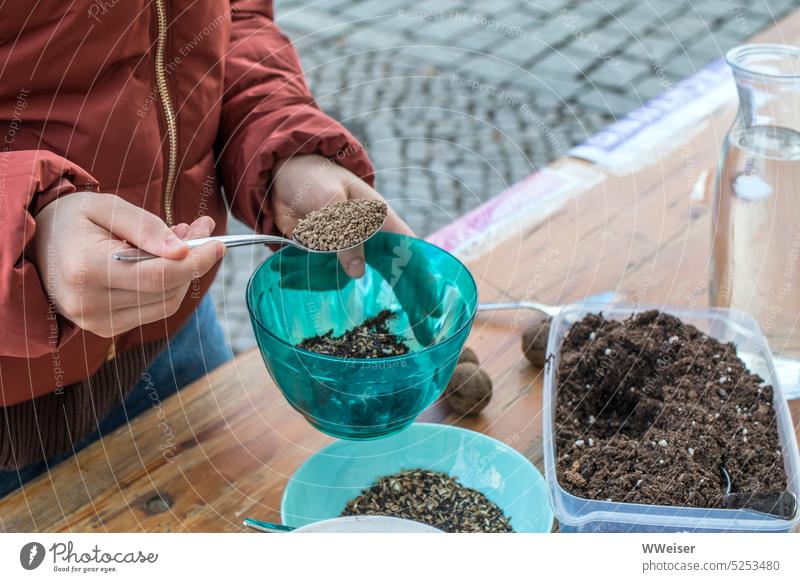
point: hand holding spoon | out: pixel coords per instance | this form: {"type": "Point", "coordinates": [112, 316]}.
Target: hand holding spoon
{"type": "Point", "coordinates": [238, 240]}
{"type": "Point", "coordinates": [230, 240]}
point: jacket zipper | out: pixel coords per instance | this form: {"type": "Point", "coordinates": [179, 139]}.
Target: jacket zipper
{"type": "Point", "coordinates": [169, 114]}
{"type": "Point", "coordinates": [172, 129]}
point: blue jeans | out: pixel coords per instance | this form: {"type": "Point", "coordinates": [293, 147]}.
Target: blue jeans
{"type": "Point", "coordinates": [196, 349]}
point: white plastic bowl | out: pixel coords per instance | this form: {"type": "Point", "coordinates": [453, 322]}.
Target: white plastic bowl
{"type": "Point", "coordinates": [367, 524]}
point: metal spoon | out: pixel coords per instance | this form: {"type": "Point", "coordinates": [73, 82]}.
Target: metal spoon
{"type": "Point", "coordinates": [607, 297]}
{"type": "Point", "coordinates": [235, 240]}
{"type": "Point", "coordinates": [783, 504]}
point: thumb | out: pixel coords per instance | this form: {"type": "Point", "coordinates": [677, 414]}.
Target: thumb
{"type": "Point", "coordinates": [136, 226]}
{"type": "Point", "coordinates": [352, 261]}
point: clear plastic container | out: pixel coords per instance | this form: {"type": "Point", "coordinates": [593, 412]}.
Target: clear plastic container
{"type": "Point", "coordinates": [584, 515]}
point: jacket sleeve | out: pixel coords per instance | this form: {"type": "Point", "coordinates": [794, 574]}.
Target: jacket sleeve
{"type": "Point", "coordinates": [29, 180]}
{"type": "Point", "coordinates": [268, 114]}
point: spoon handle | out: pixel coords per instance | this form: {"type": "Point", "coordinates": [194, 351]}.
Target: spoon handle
{"type": "Point", "coordinates": [551, 310]}
{"type": "Point", "coordinates": [230, 240]}
{"type": "Point", "coordinates": [266, 526]}
{"type": "Point", "coordinates": [606, 297]}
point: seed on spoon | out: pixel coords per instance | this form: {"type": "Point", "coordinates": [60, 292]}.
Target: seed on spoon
{"type": "Point", "coordinates": [341, 225]}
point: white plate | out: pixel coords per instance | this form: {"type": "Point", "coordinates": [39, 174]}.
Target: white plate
{"type": "Point", "coordinates": [367, 524]}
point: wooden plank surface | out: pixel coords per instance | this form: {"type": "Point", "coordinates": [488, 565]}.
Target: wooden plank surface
{"type": "Point", "coordinates": [225, 447]}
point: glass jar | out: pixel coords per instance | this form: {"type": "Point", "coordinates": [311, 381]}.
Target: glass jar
{"type": "Point", "coordinates": [756, 222]}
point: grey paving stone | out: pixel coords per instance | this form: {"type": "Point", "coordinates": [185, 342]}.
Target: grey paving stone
{"type": "Point", "coordinates": [617, 6]}
{"type": "Point", "coordinates": [373, 36]}
{"type": "Point", "coordinates": [639, 17]}
{"type": "Point", "coordinates": [683, 64]}
{"type": "Point", "coordinates": [679, 30]}
{"type": "Point", "coordinates": [618, 74]}
{"type": "Point", "coordinates": [558, 64]}
{"type": "Point", "coordinates": [537, 89]}
{"type": "Point", "coordinates": [433, 54]}
{"type": "Point", "coordinates": [310, 21]}
{"type": "Point", "coordinates": [373, 8]}
{"type": "Point", "coordinates": [497, 9]}
{"type": "Point", "coordinates": [518, 51]}
{"type": "Point", "coordinates": [736, 28]}
{"type": "Point", "coordinates": [614, 104]}
{"type": "Point", "coordinates": [544, 7]}
{"type": "Point", "coordinates": [484, 40]}
{"type": "Point", "coordinates": [708, 48]}
{"type": "Point", "coordinates": [447, 28]}
{"type": "Point", "coordinates": [488, 68]}
{"type": "Point", "coordinates": [615, 28]}
{"type": "Point", "coordinates": [284, 6]}
{"type": "Point", "coordinates": [438, 5]}
{"type": "Point", "coordinates": [714, 10]}
{"type": "Point", "coordinates": [650, 48]}
{"type": "Point", "coordinates": [650, 86]}
{"type": "Point", "coordinates": [590, 12]}
{"type": "Point", "coordinates": [551, 33]}
{"type": "Point", "coordinates": [607, 42]}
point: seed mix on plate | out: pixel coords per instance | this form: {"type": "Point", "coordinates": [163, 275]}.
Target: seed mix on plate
{"type": "Point", "coordinates": [433, 498]}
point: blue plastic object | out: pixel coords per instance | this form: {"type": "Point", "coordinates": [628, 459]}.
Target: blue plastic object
{"type": "Point", "coordinates": [324, 484]}
{"type": "Point", "coordinates": [294, 295]}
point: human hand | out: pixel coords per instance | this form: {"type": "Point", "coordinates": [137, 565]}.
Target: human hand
{"type": "Point", "coordinates": [75, 238]}
{"type": "Point", "coordinates": [305, 183]}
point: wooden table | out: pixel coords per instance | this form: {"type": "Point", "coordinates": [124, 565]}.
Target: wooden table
{"type": "Point", "coordinates": [225, 446]}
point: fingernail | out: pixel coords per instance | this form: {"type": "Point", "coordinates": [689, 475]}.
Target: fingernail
{"type": "Point", "coordinates": [355, 268]}
{"type": "Point", "coordinates": [220, 252]}
{"type": "Point", "coordinates": [174, 242]}
{"type": "Point", "coordinates": [180, 230]}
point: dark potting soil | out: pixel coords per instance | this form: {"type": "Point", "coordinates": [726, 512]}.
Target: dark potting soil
{"type": "Point", "coordinates": [649, 410]}
{"type": "Point", "coordinates": [371, 339]}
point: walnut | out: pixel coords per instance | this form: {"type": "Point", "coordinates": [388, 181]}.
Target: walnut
{"type": "Point", "coordinates": [468, 355]}
{"type": "Point", "coordinates": [534, 340]}
{"type": "Point", "coordinates": [469, 390]}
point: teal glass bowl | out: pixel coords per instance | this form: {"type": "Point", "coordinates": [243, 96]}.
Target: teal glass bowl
{"type": "Point", "coordinates": [294, 295]}
{"type": "Point", "coordinates": [331, 477]}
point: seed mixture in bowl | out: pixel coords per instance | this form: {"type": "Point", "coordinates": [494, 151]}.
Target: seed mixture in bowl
{"type": "Point", "coordinates": [371, 339]}
{"type": "Point", "coordinates": [341, 225]}
{"type": "Point", "coordinates": [433, 498]}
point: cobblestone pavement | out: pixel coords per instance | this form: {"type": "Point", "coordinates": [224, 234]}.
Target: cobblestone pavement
{"type": "Point", "coordinates": [456, 100]}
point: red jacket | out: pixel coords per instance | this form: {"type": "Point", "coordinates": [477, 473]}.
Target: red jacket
{"type": "Point", "coordinates": [160, 102]}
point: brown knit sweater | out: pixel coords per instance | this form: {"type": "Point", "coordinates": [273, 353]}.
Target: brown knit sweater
{"type": "Point", "coordinates": [53, 424]}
